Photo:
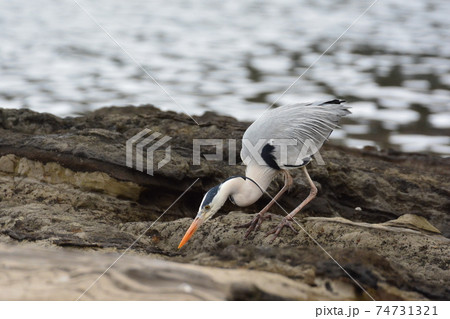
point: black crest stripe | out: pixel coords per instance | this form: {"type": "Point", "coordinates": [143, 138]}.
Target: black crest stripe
{"type": "Point", "coordinates": [210, 195]}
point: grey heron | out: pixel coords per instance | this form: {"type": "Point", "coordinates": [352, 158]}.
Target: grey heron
{"type": "Point", "coordinates": [282, 139]}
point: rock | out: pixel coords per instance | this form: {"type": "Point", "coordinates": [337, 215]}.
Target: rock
{"type": "Point", "coordinates": [64, 184]}
{"type": "Point", "coordinates": [65, 275]}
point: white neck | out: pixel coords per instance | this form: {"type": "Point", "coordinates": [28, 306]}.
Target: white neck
{"type": "Point", "coordinates": [246, 192]}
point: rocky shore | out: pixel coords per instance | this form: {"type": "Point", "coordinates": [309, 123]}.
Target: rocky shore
{"type": "Point", "coordinates": [69, 207]}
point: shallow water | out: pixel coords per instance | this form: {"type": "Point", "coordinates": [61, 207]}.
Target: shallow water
{"type": "Point", "coordinates": [237, 58]}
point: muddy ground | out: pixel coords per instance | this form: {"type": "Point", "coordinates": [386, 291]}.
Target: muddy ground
{"type": "Point", "coordinates": [69, 206]}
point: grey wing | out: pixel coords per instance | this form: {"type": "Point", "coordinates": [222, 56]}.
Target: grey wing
{"type": "Point", "coordinates": [292, 132]}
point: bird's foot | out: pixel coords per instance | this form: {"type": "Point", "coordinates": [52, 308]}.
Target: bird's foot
{"type": "Point", "coordinates": [286, 222]}
{"type": "Point", "coordinates": [254, 224]}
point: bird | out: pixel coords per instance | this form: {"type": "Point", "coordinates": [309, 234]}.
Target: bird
{"type": "Point", "coordinates": [280, 140]}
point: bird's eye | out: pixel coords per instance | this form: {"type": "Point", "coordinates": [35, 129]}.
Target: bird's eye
{"type": "Point", "coordinates": [207, 207]}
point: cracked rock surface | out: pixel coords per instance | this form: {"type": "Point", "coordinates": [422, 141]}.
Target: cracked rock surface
{"type": "Point", "coordinates": [69, 206]}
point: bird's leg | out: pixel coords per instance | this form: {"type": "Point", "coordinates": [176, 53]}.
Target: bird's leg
{"type": "Point", "coordinates": [259, 217]}
{"type": "Point", "coordinates": [290, 217]}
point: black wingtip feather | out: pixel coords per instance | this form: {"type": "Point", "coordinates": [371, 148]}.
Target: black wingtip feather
{"type": "Point", "coordinates": [335, 101]}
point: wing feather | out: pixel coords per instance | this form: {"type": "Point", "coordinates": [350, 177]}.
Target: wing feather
{"type": "Point", "coordinates": [302, 122]}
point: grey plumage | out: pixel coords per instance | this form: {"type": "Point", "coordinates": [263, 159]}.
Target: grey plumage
{"type": "Point", "coordinates": [307, 125]}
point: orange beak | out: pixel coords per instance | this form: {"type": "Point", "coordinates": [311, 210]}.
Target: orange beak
{"type": "Point", "coordinates": [194, 226]}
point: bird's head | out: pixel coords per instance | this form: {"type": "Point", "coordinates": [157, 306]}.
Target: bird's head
{"type": "Point", "coordinates": [211, 204]}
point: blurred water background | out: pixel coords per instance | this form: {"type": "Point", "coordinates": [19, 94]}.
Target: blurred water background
{"type": "Point", "coordinates": [237, 58]}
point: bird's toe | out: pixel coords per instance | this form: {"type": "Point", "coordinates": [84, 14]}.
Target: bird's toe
{"type": "Point", "coordinates": [277, 230]}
